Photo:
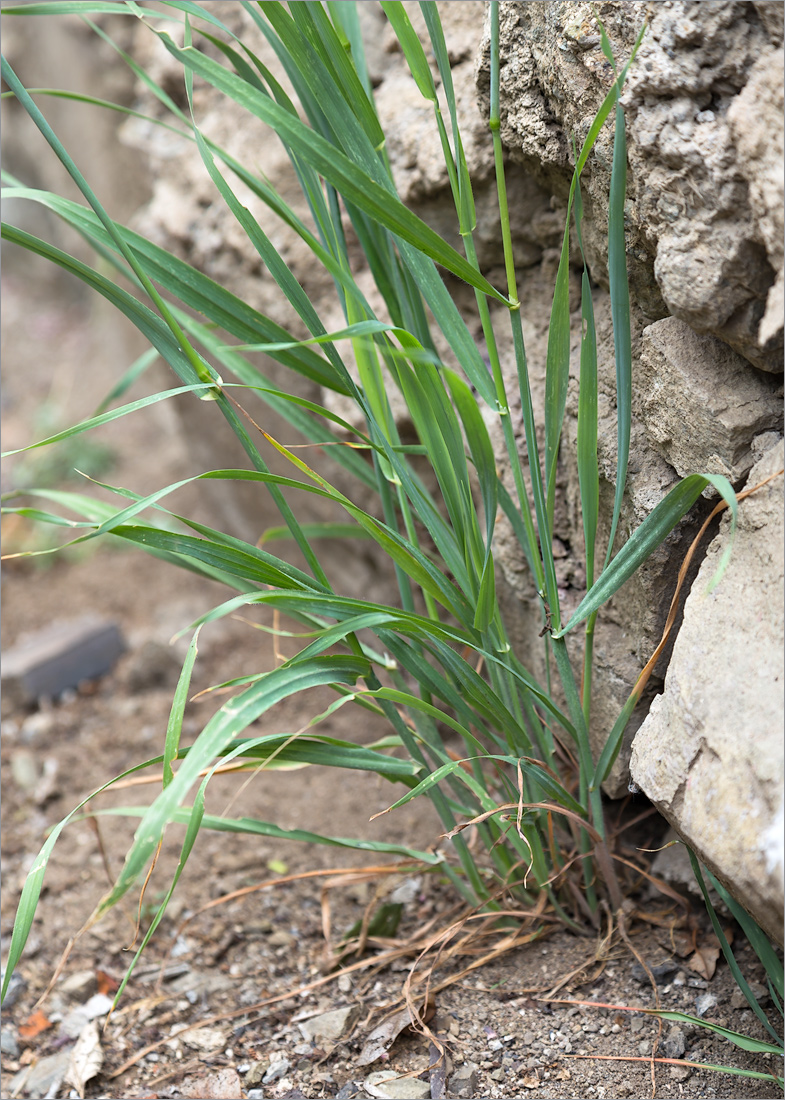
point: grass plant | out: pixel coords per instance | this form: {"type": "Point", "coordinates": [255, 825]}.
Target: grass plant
{"type": "Point", "coordinates": [441, 657]}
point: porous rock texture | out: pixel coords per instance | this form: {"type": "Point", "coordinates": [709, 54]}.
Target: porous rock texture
{"type": "Point", "coordinates": [709, 753]}
{"type": "Point", "coordinates": [703, 104]}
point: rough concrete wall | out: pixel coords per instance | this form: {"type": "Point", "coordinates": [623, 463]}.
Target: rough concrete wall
{"type": "Point", "coordinates": [704, 246]}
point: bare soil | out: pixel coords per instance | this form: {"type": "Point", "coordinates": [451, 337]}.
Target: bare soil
{"type": "Point", "coordinates": [249, 974]}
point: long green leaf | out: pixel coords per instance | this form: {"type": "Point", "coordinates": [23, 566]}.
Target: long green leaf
{"type": "Point", "coordinates": [730, 958]}
{"type": "Point", "coordinates": [646, 538]}
{"type": "Point", "coordinates": [253, 827]}
{"type": "Point", "coordinates": [354, 184]}
{"type": "Point", "coordinates": [620, 314]}
{"type": "Point", "coordinates": [232, 718]}
{"type": "Point", "coordinates": [758, 939]}
{"type": "Point", "coordinates": [31, 891]}
{"type": "Point", "coordinates": [557, 371]}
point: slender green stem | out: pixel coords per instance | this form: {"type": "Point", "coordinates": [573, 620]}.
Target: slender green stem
{"type": "Point", "coordinates": [588, 665]}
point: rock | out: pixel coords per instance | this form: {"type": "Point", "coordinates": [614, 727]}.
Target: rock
{"type": "Point", "coordinates": [719, 783]}
{"type": "Point", "coordinates": [61, 656]}
{"type": "Point", "coordinates": [42, 1078]}
{"type": "Point", "coordinates": [255, 1074]}
{"type": "Point", "coordinates": [754, 117]}
{"type": "Point", "coordinates": [683, 378]}
{"type": "Point", "coordinates": [694, 228]}
{"type": "Point", "coordinates": [705, 1003]}
{"type": "Point", "coordinates": [9, 1045]}
{"type": "Point", "coordinates": [17, 987]}
{"type": "Point", "coordinates": [74, 1023]}
{"type": "Point", "coordinates": [206, 1039]}
{"type": "Point", "coordinates": [277, 1070]}
{"type": "Point", "coordinates": [387, 1085]}
{"type": "Point", "coordinates": [407, 891]}
{"type": "Point", "coordinates": [349, 1091]}
{"type": "Point", "coordinates": [463, 1083]}
{"type": "Point", "coordinates": [281, 938]}
{"type": "Point", "coordinates": [674, 1043]}
{"type": "Point", "coordinates": [79, 985]}
{"type": "Point", "coordinates": [330, 1025]}
{"type": "Point", "coordinates": [222, 1085]}
{"type": "Point", "coordinates": [661, 973]}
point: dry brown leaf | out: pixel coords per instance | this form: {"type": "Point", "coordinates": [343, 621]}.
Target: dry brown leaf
{"type": "Point", "coordinates": [34, 1025]}
{"type": "Point", "coordinates": [106, 983]}
{"type": "Point", "coordinates": [87, 1058]}
{"type": "Point", "coordinates": [382, 1037]}
{"type": "Point", "coordinates": [704, 961]}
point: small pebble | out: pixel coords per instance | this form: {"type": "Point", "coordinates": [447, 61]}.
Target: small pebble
{"type": "Point", "coordinates": [705, 1003]}
{"type": "Point", "coordinates": [674, 1044]}
{"type": "Point", "coordinates": [17, 987]}
{"type": "Point", "coordinates": [276, 1071]}
{"type": "Point", "coordinates": [346, 1092]}
{"type": "Point", "coordinates": [281, 939]}
{"type": "Point", "coordinates": [8, 1043]}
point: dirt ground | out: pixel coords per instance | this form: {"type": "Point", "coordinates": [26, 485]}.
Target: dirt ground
{"type": "Point", "coordinates": [250, 978]}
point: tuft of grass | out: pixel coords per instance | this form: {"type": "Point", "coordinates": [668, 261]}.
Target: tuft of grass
{"type": "Point", "coordinates": [441, 658]}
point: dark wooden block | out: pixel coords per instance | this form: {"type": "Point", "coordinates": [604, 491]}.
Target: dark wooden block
{"type": "Point", "coordinates": [47, 663]}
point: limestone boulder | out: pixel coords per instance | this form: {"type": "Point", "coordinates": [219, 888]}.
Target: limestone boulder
{"type": "Point", "coordinates": [709, 754]}
{"type": "Point", "coordinates": [702, 185]}
{"type": "Point", "coordinates": [683, 378]}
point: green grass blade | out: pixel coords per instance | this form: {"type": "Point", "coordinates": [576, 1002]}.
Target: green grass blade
{"type": "Point", "coordinates": [253, 827]}
{"type": "Point", "coordinates": [620, 314]}
{"type": "Point", "coordinates": [319, 33]}
{"type": "Point", "coordinates": [612, 746]}
{"type": "Point", "coordinates": [411, 46]}
{"type": "Point", "coordinates": [175, 724]}
{"type": "Point", "coordinates": [758, 939]}
{"type": "Point", "coordinates": [745, 1042]}
{"type": "Point", "coordinates": [197, 290]}
{"type": "Point", "coordinates": [588, 469]}
{"type": "Point", "coordinates": [729, 956]}
{"type": "Point", "coordinates": [223, 727]}
{"type": "Point", "coordinates": [31, 891]}
{"type": "Point", "coordinates": [350, 180]}
{"type": "Point", "coordinates": [646, 538]}
{"type": "Point", "coordinates": [201, 370]}
{"type": "Point", "coordinates": [127, 379]}
{"type": "Point", "coordinates": [78, 7]}
{"type": "Point", "coordinates": [108, 417]}
{"type": "Point", "coordinates": [557, 372]}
